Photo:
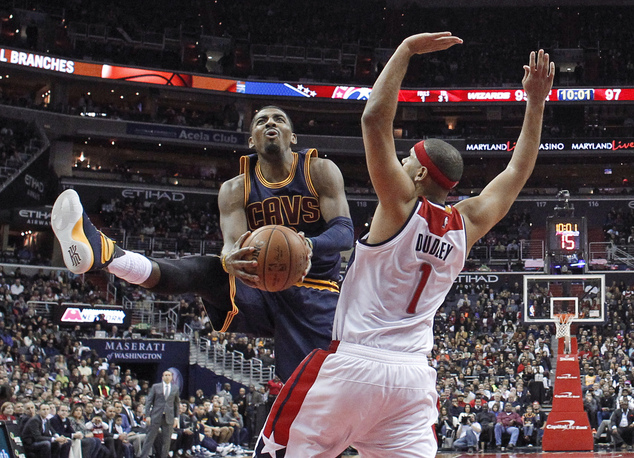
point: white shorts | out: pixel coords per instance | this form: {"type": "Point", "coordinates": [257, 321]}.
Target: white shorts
{"type": "Point", "coordinates": [382, 402]}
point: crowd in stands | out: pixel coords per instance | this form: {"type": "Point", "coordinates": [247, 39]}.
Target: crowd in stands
{"type": "Point", "coordinates": [483, 354]}
{"type": "Point", "coordinates": [486, 358]}
{"type": "Point", "coordinates": [16, 139]}
{"type": "Point", "coordinates": [186, 223]}
{"type": "Point", "coordinates": [43, 366]}
{"type": "Point", "coordinates": [619, 226]}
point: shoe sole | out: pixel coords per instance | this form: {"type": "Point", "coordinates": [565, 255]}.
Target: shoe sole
{"type": "Point", "coordinates": [68, 225]}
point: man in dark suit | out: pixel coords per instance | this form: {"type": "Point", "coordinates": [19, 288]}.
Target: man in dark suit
{"type": "Point", "coordinates": [162, 407]}
{"type": "Point", "coordinates": [622, 422]}
{"type": "Point", "coordinates": [29, 412]}
{"type": "Point", "coordinates": [39, 440]}
{"type": "Point", "coordinates": [60, 425]}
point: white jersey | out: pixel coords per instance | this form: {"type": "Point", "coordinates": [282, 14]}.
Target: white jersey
{"type": "Point", "coordinates": [392, 290]}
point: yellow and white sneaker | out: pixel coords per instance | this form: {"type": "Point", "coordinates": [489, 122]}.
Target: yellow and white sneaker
{"type": "Point", "coordinates": [83, 246]}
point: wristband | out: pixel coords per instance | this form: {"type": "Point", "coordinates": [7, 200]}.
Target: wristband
{"type": "Point", "coordinates": [223, 261]}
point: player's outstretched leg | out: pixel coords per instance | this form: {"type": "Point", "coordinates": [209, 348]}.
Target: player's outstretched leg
{"type": "Point", "coordinates": [83, 246]}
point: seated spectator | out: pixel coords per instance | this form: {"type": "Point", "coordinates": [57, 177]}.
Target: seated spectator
{"type": "Point", "coordinates": [622, 424]}
{"type": "Point", "coordinates": [38, 437]}
{"type": "Point", "coordinates": [487, 421]}
{"type": "Point", "coordinates": [446, 425]}
{"type": "Point", "coordinates": [468, 434]}
{"type": "Point", "coordinates": [7, 411]}
{"type": "Point", "coordinates": [91, 447]}
{"type": "Point", "coordinates": [540, 421]}
{"type": "Point", "coordinates": [186, 431]}
{"type": "Point", "coordinates": [528, 428]}
{"type": "Point", "coordinates": [509, 422]}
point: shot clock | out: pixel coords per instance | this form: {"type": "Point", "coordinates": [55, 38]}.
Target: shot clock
{"type": "Point", "coordinates": [566, 235]}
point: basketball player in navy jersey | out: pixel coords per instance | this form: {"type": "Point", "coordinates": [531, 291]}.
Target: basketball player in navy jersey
{"type": "Point", "coordinates": [373, 389]}
{"type": "Point", "coordinates": [276, 186]}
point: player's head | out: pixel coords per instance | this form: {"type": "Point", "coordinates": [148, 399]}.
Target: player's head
{"type": "Point", "coordinates": [271, 131]}
{"type": "Point", "coordinates": [270, 107]}
{"type": "Point", "coordinates": [442, 161]}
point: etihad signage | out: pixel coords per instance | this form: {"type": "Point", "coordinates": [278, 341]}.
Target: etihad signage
{"type": "Point", "coordinates": [44, 62]}
{"type": "Point", "coordinates": [153, 194]}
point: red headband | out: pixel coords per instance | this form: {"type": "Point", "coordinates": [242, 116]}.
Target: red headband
{"type": "Point", "coordinates": [434, 172]}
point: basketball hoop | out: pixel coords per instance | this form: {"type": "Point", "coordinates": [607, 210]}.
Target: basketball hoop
{"type": "Point", "coordinates": [563, 321]}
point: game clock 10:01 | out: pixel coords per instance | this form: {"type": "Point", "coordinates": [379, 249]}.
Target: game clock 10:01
{"type": "Point", "coordinates": [566, 235]}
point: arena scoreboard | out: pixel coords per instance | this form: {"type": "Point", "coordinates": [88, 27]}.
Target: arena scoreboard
{"type": "Point", "coordinates": [43, 62]}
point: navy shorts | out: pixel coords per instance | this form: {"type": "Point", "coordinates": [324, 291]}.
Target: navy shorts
{"type": "Point", "coordinates": [299, 318]}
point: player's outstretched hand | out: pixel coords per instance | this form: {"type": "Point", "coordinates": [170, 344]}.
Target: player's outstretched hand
{"type": "Point", "coordinates": [538, 76]}
{"type": "Point", "coordinates": [423, 43]}
{"type": "Point", "coordinates": [236, 264]}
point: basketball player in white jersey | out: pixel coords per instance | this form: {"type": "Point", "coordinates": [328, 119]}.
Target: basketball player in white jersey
{"type": "Point", "coordinates": [374, 389]}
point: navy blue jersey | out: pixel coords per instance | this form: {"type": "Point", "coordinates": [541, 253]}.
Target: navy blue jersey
{"type": "Point", "coordinates": [293, 202]}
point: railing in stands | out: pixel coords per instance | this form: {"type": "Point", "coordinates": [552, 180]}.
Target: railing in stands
{"type": "Point", "coordinates": [44, 308]}
{"type": "Point", "coordinates": [527, 249]}
{"type": "Point", "coordinates": [163, 246]}
{"type": "Point", "coordinates": [231, 364]}
{"type": "Point", "coordinates": [607, 254]}
{"type": "Point", "coordinates": [161, 315]}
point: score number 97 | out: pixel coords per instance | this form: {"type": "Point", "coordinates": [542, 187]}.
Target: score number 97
{"type": "Point", "coordinates": [612, 94]}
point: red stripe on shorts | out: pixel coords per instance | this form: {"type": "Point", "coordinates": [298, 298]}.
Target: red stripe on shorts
{"type": "Point", "coordinates": [290, 400]}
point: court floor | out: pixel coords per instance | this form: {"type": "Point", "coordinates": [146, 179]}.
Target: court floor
{"type": "Point", "coordinates": [602, 453]}
{"type": "Point", "coordinates": [531, 454]}
{"type": "Point", "coordinates": [520, 454]}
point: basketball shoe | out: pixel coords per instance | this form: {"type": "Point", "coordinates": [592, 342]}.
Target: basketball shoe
{"type": "Point", "coordinates": [84, 247]}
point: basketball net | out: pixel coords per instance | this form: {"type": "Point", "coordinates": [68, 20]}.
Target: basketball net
{"type": "Point", "coordinates": [562, 325]}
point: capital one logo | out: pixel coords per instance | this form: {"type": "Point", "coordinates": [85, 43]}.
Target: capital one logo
{"type": "Point", "coordinates": [567, 377]}
{"type": "Point", "coordinates": [565, 425]}
{"type": "Point", "coordinates": [567, 395]}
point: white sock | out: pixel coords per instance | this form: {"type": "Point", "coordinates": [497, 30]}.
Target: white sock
{"type": "Point", "coordinates": [131, 267]}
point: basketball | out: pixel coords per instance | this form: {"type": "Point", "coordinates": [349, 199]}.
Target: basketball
{"type": "Point", "coordinates": [281, 254]}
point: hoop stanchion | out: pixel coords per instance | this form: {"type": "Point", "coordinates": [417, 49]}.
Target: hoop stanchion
{"type": "Point", "coordinates": [567, 427]}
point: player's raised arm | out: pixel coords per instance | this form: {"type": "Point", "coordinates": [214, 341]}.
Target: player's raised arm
{"type": "Point", "coordinates": [393, 187]}
{"type": "Point", "coordinates": [483, 212]}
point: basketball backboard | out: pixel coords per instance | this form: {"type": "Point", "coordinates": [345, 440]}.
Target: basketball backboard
{"type": "Point", "coordinates": [548, 295]}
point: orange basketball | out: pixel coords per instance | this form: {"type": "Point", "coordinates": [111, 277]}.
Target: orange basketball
{"type": "Point", "coordinates": [281, 254]}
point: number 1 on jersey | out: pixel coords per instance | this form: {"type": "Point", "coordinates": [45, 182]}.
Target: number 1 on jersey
{"type": "Point", "coordinates": [426, 272]}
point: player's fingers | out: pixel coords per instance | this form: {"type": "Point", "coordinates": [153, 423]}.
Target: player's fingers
{"type": "Point", "coordinates": [545, 64]}
{"type": "Point", "coordinates": [531, 60]}
{"type": "Point", "coordinates": [242, 238]}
